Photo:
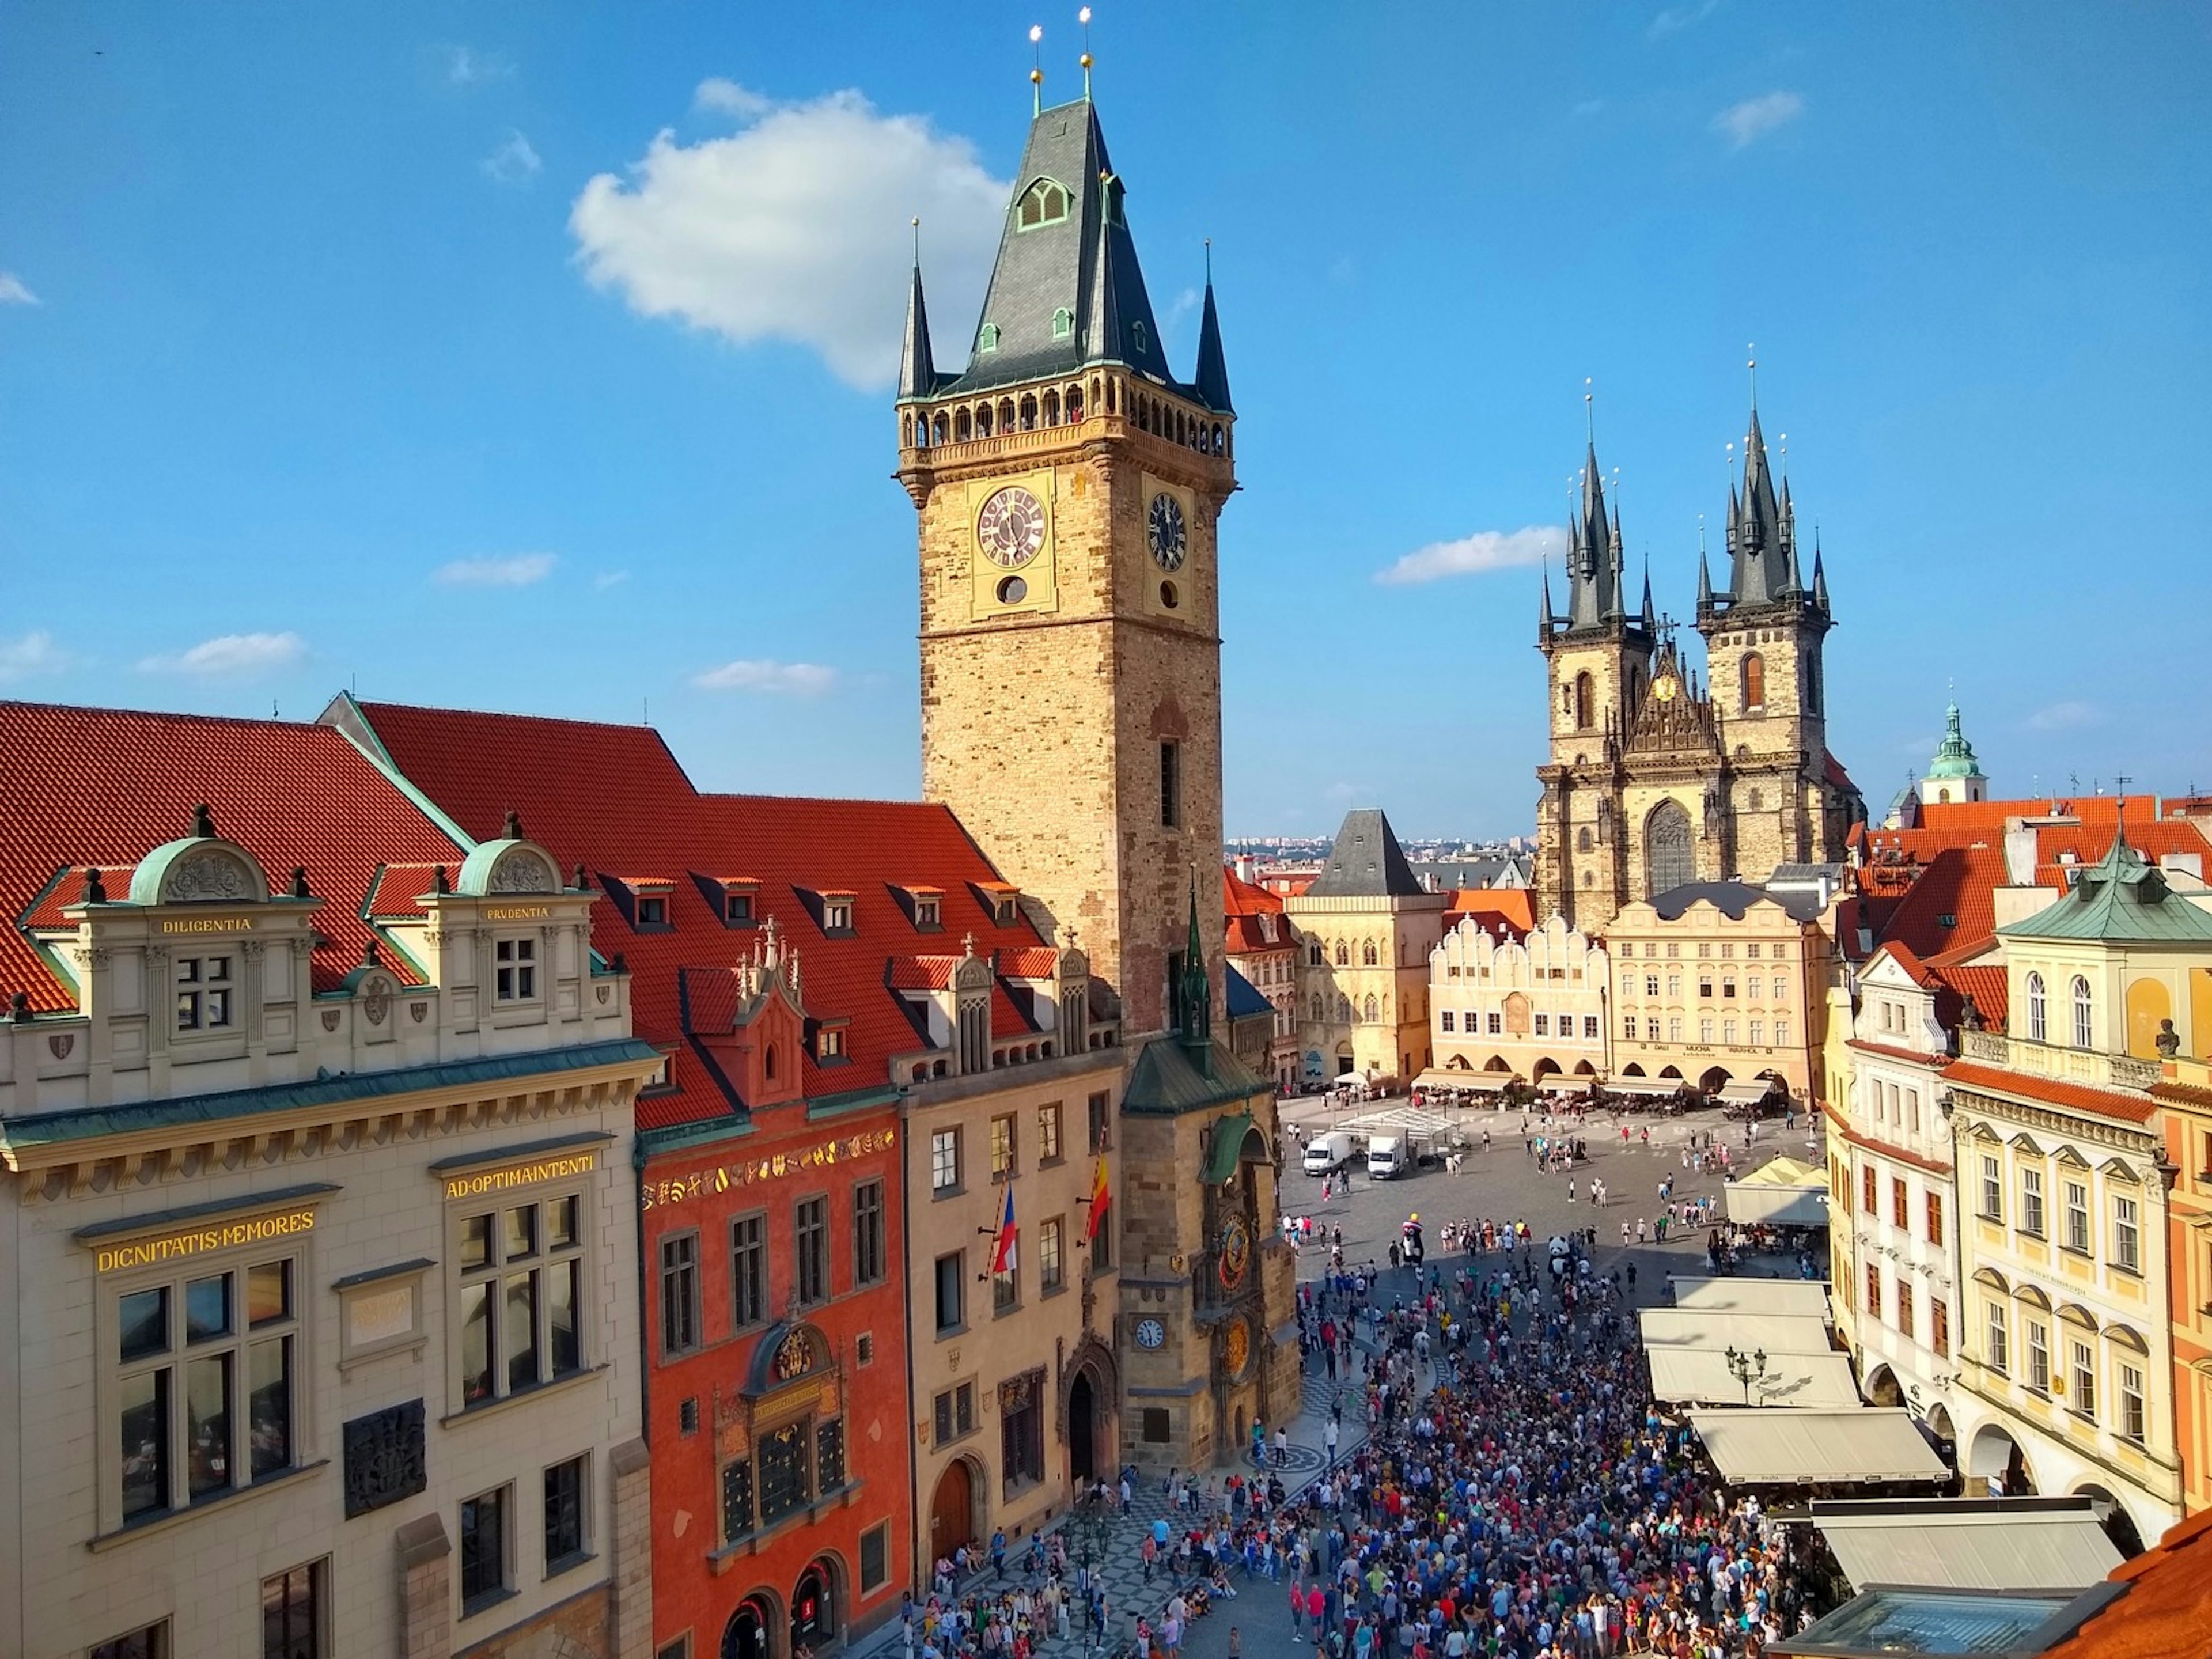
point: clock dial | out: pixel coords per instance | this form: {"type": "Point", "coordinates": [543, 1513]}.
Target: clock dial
{"type": "Point", "coordinates": [1165, 531]}
{"type": "Point", "coordinates": [1236, 1348]}
{"type": "Point", "coordinates": [1151, 1334]}
{"type": "Point", "coordinates": [1011, 526]}
{"type": "Point", "coordinates": [1235, 1252]}
{"type": "Point", "coordinates": [1664, 688]}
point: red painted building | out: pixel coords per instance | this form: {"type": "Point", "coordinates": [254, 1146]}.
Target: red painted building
{"type": "Point", "coordinates": [761, 935]}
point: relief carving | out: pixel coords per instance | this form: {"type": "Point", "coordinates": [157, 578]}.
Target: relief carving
{"type": "Point", "coordinates": [209, 875]}
{"type": "Point", "coordinates": [522, 872]}
{"type": "Point", "coordinates": [385, 1459]}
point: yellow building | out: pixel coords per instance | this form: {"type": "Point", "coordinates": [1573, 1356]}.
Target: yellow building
{"type": "Point", "coordinates": [2067, 1359]}
{"type": "Point", "coordinates": [1724, 987]}
{"type": "Point", "coordinates": [1507, 1008]}
{"type": "Point", "coordinates": [1368, 926]}
{"type": "Point", "coordinates": [2185, 1097]}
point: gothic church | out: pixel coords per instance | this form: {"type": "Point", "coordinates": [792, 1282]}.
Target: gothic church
{"type": "Point", "coordinates": [1656, 778]}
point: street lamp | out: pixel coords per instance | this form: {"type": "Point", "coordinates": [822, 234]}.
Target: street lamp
{"type": "Point", "coordinates": [1747, 1369]}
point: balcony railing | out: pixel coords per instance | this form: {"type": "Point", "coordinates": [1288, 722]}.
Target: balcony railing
{"type": "Point", "coordinates": [2087, 1065]}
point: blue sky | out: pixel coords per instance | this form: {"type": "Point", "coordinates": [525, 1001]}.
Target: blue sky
{"type": "Point", "coordinates": [526, 357]}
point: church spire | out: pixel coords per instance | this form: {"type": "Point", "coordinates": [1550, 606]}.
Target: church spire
{"type": "Point", "coordinates": [1593, 576]}
{"type": "Point", "coordinates": [917, 365]}
{"type": "Point", "coordinates": [1650, 617]}
{"type": "Point", "coordinates": [1195, 996]}
{"type": "Point", "coordinates": [1819, 580]}
{"type": "Point", "coordinates": [1704, 585]}
{"type": "Point", "coordinates": [1544, 621]}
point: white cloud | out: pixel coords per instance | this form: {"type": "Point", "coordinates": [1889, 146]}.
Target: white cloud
{"type": "Point", "coordinates": [519, 570]}
{"type": "Point", "coordinates": [798, 679]}
{"type": "Point", "coordinates": [34, 653]}
{"type": "Point", "coordinates": [1754, 117]}
{"type": "Point", "coordinates": [13, 291]}
{"type": "Point", "coordinates": [514, 162]}
{"type": "Point", "coordinates": [723, 97]}
{"type": "Point", "coordinates": [607, 579]}
{"type": "Point", "coordinates": [795, 228]}
{"type": "Point", "coordinates": [467, 67]}
{"type": "Point", "coordinates": [2063, 717]}
{"type": "Point", "coordinates": [1674, 19]}
{"type": "Point", "coordinates": [231, 654]}
{"type": "Point", "coordinates": [1485, 549]}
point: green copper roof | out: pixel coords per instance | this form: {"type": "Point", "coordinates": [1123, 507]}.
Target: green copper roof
{"type": "Point", "coordinates": [1227, 1147]}
{"type": "Point", "coordinates": [2121, 898]}
{"type": "Point", "coordinates": [91, 1122]}
{"type": "Point", "coordinates": [1954, 756]}
{"type": "Point", "coordinates": [1168, 1081]}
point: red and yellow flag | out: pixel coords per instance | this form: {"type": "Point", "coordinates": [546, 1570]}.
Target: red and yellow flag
{"type": "Point", "coordinates": [1099, 1198]}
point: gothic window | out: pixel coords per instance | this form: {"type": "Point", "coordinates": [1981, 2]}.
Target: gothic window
{"type": "Point", "coordinates": [1754, 682]}
{"type": "Point", "coordinates": [1670, 859]}
{"type": "Point", "coordinates": [1584, 839]}
{"type": "Point", "coordinates": [1043, 202]}
{"type": "Point", "coordinates": [1370, 1011]}
{"type": "Point", "coordinates": [2037, 1018]}
{"type": "Point", "coordinates": [1343, 954]}
{"type": "Point", "coordinates": [1344, 1010]}
{"type": "Point", "coordinates": [1313, 953]}
{"type": "Point", "coordinates": [2080, 998]}
{"type": "Point", "coordinates": [1317, 1014]}
{"type": "Point", "coordinates": [1585, 702]}
{"type": "Point", "coordinates": [1367, 954]}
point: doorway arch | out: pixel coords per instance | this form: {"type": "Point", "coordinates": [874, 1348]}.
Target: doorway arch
{"type": "Point", "coordinates": [817, 1610]}
{"type": "Point", "coordinates": [2119, 1525]}
{"type": "Point", "coordinates": [750, 1633]}
{"type": "Point", "coordinates": [952, 1508]}
{"type": "Point", "coordinates": [1997, 1460]}
{"type": "Point", "coordinates": [1882, 1387]}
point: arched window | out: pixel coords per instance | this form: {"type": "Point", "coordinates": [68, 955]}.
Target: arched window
{"type": "Point", "coordinates": [1370, 1009]}
{"type": "Point", "coordinates": [1029, 414]}
{"type": "Point", "coordinates": [767, 1062]}
{"type": "Point", "coordinates": [1585, 839]}
{"type": "Point", "coordinates": [986, 338]}
{"type": "Point", "coordinates": [2038, 1016]}
{"type": "Point", "coordinates": [1313, 953]}
{"type": "Point", "coordinates": [963, 427]}
{"type": "Point", "coordinates": [1043, 202]}
{"type": "Point", "coordinates": [1343, 954]}
{"type": "Point", "coordinates": [1317, 1008]}
{"type": "Point", "coordinates": [1344, 1010]}
{"type": "Point", "coordinates": [1754, 681]}
{"type": "Point", "coordinates": [2081, 996]}
{"type": "Point", "coordinates": [1585, 703]}
{"type": "Point", "coordinates": [1367, 954]}
{"type": "Point", "coordinates": [1669, 857]}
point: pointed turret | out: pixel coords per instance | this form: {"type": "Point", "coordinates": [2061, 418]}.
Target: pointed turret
{"type": "Point", "coordinates": [1544, 621]}
{"type": "Point", "coordinates": [1195, 996]}
{"type": "Point", "coordinates": [1819, 582]}
{"type": "Point", "coordinates": [1066, 290]}
{"type": "Point", "coordinates": [917, 364]}
{"type": "Point", "coordinates": [1704, 585]}
{"type": "Point", "coordinates": [1212, 380]}
{"type": "Point", "coordinates": [1593, 582]}
{"type": "Point", "coordinates": [1760, 558]}
{"type": "Point", "coordinates": [1650, 617]}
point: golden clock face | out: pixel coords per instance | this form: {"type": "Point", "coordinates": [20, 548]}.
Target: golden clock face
{"type": "Point", "coordinates": [1235, 1252]}
{"type": "Point", "coordinates": [1011, 527]}
{"type": "Point", "coordinates": [1665, 687]}
{"type": "Point", "coordinates": [1236, 1348]}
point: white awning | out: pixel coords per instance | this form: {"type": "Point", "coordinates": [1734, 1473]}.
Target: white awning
{"type": "Point", "coordinates": [1703, 1327]}
{"type": "Point", "coordinates": [1804, 1297]}
{"type": "Point", "coordinates": [1700, 1376]}
{"type": "Point", "coordinates": [1747, 1092]}
{"type": "Point", "coordinates": [1643, 1085]}
{"type": "Point", "coordinates": [1751, 1205]}
{"type": "Point", "coordinates": [1559, 1084]}
{"type": "Point", "coordinates": [1968, 1543]}
{"type": "Point", "coordinates": [1810, 1448]}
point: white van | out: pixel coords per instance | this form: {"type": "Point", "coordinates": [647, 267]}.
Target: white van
{"type": "Point", "coordinates": [1327, 1153]}
{"type": "Point", "coordinates": [1388, 1157]}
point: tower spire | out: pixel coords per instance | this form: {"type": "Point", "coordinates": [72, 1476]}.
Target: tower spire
{"type": "Point", "coordinates": [1195, 996]}
{"type": "Point", "coordinates": [1544, 619]}
{"type": "Point", "coordinates": [1212, 380]}
{"type": "Point", "coordinates": [917, 365]}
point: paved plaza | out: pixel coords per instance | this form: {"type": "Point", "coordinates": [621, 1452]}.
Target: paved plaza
{"type": "Point", "coordinates": [1501, 1183]}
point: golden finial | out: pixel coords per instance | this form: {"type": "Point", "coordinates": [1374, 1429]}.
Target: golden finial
{"type": "Point", "coordinates": [1590, 415]}
{"type": "Point", "coordinates": [1084, 18]}
{"type": "Point", "coordinates": [1036, 70]}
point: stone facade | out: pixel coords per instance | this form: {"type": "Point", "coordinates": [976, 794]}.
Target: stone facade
{"type": "Point", "coordinates": [1363, 983]}
{"type": "Point", "coordinates": [1508, 1009]}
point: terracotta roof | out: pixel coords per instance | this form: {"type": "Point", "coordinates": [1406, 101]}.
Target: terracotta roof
{"type": "Point", "coordinates": [1957, 883]}
{"type": "Point", "coordinates": [1515, 907]}
{"type": "Point", "coordinates": [68, 889]}
{"type": "Point", "coordinates": [2050, 1090]}
{"type": "Point", "coordinates": [1986, 985]}
{"type": "Point", "coordinates": [922, 973]}
{"type": "Point", "coordinates": [400, 889]}
{"type": "Point", "coordinates": [1989, 816]}
{"type": "Point", "coordinates": [108, 785]}
{"type": "Point", "coordinates": [1030, 962]}
{"type": "Point", "coordinates": [1240, 897]}
{"type": "Point", "coordinates": [2167, 1608]}
{"type": "Point", "coordinates": [1911, 1056]}
{"type": "Point", "coordinates": [614, 798]}
{"type": "Point", "coordinates": [2184, 1094]}
{"type": "Point", "coordinates": [1248, 935]}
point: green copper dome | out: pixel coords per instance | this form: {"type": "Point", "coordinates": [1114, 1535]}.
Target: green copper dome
{"type": "Point", "coordinates": [1954, 756]}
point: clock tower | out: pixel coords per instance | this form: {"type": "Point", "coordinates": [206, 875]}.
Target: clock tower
{"type": "Point", "coordinates": [1069, 485]}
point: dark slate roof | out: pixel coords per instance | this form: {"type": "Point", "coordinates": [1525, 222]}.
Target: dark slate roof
{"type": "Point", "coordinates": [918, 374]}
{"type": "Point", "coordinates": [1212, 377]}
{"type": "Point", "coordinates": [1167, 1082]}
{"type": "Point", "coordinates": [1366, 862]}
{"type": "Point", "coordinates": [1084, 263]}
{"type": "Point", "coordinates": [1732, 899]}
{"type": "Point", "coordinates": [1244, 998]}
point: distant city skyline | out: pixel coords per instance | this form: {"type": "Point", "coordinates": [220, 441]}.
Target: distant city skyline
{"type": "Point", "coordinates": [526, 361]}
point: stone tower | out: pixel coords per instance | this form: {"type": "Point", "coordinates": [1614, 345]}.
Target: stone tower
{"type": "Point", "coordinates": [1069, 486]}
{"type": "Point", "coordinates": [1598, 665]}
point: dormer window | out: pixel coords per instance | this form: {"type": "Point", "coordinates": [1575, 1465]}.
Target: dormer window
{"type": "Point", "coordinates": [1044, 202]}
{"type": "Point", "coordinates": [986, 338]}
{"type": "Point", "coordinates": [203, 987]}
{"type": "Point", "coordinates": [1137, 334]}
{"type": "Point", "coordinates": [738, 907]}
{"type": "Point", "coordinates": [836, 912]}
{"type": "Point", "coordinates": [928, 910]}
{"type": "Point", "coordinates": [829, 1043]}
{"type": "Point", "coordinates": [516, 962]}
{"type": "Point", "coordinates": [652, 913]}
{"type": "Point", "coordinates": [1063, 323]}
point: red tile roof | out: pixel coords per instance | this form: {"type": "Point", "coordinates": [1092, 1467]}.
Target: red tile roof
{"type": "Point", "coordinates": [114, 880]}
{"type": "Point", "coordinates": [2055, 1091]}
{"type": "Point", "coordinates": [108, 785]}
{"type": "Point", "coordinates": [2088, 843]}
{"type": "Point", "coordinates": [1240, 897]}
{"type": "Point", "coordinates": [400, 889]}
{"type": "Point", "coordinates": [2167, 1609]}
{"type": "Point", "coordinates": [613, 797]}
{"type": "Point", "coordinates": [1515, 906]}
{"type": "Point", "coordinates": [1958, 883]}
{"type": "Point", "coordinates": [1030, 962]}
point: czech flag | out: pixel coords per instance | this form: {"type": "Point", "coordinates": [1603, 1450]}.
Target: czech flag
{"type": "Point", "coordinates": [1003, 1253]}
{"type": "Point", "coordinates": [1098, 1200]}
